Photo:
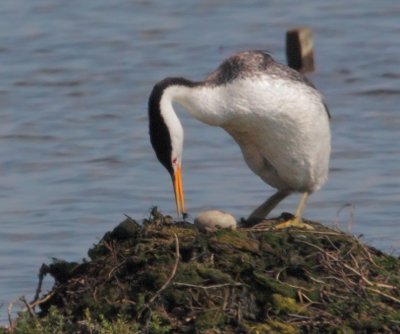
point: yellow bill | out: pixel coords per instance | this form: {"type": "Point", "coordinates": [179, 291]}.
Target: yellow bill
{"type": "Point", "coordinates": [178, 189]}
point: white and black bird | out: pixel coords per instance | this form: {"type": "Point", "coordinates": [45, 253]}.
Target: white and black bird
{"type": "Point", "coordinates": [276, 116]}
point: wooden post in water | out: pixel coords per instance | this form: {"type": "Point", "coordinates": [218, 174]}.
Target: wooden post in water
{"type": "Point", "coordinates": [300, 49]}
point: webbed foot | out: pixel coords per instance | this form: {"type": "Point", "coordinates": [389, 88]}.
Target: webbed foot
{"type": "Point", "coordinates": [294, 222]}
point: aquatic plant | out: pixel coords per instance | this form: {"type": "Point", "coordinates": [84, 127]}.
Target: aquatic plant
{"type": "Point", "coordinates": [162, 276]}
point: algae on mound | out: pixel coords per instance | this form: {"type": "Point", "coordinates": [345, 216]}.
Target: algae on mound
{"type": "Point", "coordinates": [167, 277]}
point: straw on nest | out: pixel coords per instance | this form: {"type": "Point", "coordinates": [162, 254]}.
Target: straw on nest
{"type": "Point", "coordinates": [252, 280]}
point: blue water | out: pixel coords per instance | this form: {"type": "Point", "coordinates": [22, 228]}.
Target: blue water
{"type": "Point", "coordinates": [75, 154]}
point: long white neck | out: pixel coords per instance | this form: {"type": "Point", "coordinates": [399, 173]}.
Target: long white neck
{"type": "Point", "coordinates": [166, 133]}
{"type": "Point", "coordinates": [202, 102]}
{"type": "Point", "coordinates": [173, 124]}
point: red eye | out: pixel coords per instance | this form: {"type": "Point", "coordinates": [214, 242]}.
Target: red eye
{"type": "Point", "coordinates": [174, 161]}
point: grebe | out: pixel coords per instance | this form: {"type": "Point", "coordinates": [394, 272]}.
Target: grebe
{"type": "Point", "coordinates": [276, 116]}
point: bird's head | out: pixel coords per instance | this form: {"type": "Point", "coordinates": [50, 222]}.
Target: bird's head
{"type": "Point", "coordinates": [166, 136]}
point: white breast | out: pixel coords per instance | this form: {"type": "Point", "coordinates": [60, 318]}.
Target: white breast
{"type": "Point", "coordinates": [281, 126]}
{"type": "Point", "coordinates": [283, 131]}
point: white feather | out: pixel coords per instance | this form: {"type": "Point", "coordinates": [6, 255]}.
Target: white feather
{"type": "Point", "coordinates": [174, 125]}
{"type": "Point", "coordinates": [281, 126]}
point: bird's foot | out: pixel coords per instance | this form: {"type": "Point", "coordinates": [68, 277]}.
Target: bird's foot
{"type": "Point", "coordinates": [294, 222]}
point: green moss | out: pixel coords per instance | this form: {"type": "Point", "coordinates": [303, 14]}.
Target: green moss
{"type": "Point", "coordinates": [287, 305]}
{"type": "Point", "coordinates": [344, 330]}
{"type": "Point", "coordinates": [229, 240]}
{"type": "Point", "coordinates": [271, 285]}
{"type": "Point", "coordinates": [158, 325]}
{"type": "Point", "coordinates": [57, 323]}
{"type": "Point", "coordinates": [214, 275]}
{"type": "Point", "coordinates": [231, 282]}
{"type": "Point", "coordinates": [210, 318]}
{"type": "Point", "coordinates": [272, 242]}
{"type": "Point", "coordinates": [273, 327]}
{"type": "Point", "coordinates": [189, 273]}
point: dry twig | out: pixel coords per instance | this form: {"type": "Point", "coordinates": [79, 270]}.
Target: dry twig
{"type": "Point", "coordinates": [42, 300]}
{"type": "Point", "coordinates": [384, 295]}
{"type": "Point", "coordinates": [335, 258]}
{"type": "Point", "coordinates": [28, 306]}
{"type": "Point", "coordinates": [215, 286]}
{"type": "Point", "coordinates": [10, 320]}
{"type": "Point", "coordinates": [167, 282]}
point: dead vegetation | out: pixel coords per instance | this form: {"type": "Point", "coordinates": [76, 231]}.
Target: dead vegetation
{"type": "Point", "coordinates": [252, 280]}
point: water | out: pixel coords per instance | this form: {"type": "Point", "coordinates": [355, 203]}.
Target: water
{"type": "Point", "coordinates": [75, 78]}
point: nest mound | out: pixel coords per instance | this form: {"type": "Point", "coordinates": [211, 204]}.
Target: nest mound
{"type": "Point", "coordinates": [249, 280]}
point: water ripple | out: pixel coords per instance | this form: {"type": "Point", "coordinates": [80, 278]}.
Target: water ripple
{"type": "Point", "coordinates": [380, 92]}
{"type": "Point", "coordinates": [75, 148]}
